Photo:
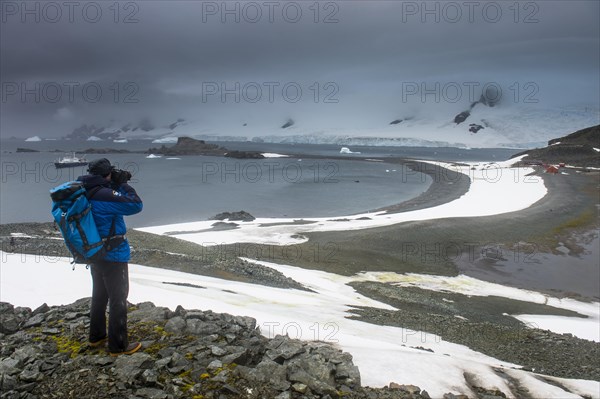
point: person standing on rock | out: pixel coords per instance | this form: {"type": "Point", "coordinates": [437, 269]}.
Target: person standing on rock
{"type": "Point", "coordinates": [111, 199]}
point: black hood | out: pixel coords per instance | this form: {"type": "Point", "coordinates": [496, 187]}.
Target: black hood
{"type": "Point", "coordinates": [91, 181]}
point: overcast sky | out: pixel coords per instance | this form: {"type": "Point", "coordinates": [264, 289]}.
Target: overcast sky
{"type": "Point", "coordinates": [169, 59]}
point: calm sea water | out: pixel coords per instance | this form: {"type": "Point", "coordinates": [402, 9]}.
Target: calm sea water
{"type": "Point", "coordinates": [197, 187]}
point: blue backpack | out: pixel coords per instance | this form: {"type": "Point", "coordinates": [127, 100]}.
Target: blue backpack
{"type": "Point", "coordinates": [72, 211]}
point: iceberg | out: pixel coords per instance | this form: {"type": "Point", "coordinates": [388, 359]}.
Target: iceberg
{"type": "Point", "coordinates": [346, 150]}
{"type": "Point", "coordinates": [273, 155]}
{"type": "Point", "coordinates": [94, 138]}
{"type": "Point", "coordinates": [152, 156]}
{"type": "Point", "coordinates": [34, 138]}
{"type": "Point", "coordinates": [120, 141]}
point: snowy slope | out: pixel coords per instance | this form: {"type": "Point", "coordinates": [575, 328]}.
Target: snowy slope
{"type": "Point", "coordinates": [382, 353]}
{"type": "Point", "coordinates": [514, 126]}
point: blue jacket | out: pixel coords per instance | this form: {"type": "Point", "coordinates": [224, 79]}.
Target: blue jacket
{"type": "Point", "coordinates": [110, 204]}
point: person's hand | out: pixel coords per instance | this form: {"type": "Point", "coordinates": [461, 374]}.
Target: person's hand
{"type": "Point", "coordinates": [120, 176]}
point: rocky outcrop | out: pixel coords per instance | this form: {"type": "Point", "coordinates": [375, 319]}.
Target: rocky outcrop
{"type": "Point", "coordinates": [234, 216]}
{"type": "Point", "coordinates": [460, 118]}
{"type": "Point", "coordinates": [490, 98]}
{"type": "Point", "coordinates": [474, 127]}
{"type": "Point", "coordinates": [395, 121]}
{"type": "Point", "coordinates": [244, 155]}
{"type": "Point", "coordinates": [185, 354]}
{"type": "Point", "coordinates": [19, 149]}
{"type": "Point", "coordinates": [189, 146]}
{"type": "Point", "coordinates": [576, 149]}
{"type": "Point", "coordinates": [288, 123]}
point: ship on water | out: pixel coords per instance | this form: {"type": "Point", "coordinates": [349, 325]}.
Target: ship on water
{"type": "Point", "coordinates": [70, 161]}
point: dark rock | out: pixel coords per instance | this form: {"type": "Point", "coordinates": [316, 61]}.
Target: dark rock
{"type": "Point", "coordinates": [189, 146]}
{"type": "Point", "coordinates": [474, 128]}
{"type": "Point", "coordinates": [199, 327]}
{"type": "Point", "coordinates": [151, 393]}
{"type": "Point", "coordinates": [9, 323]}
{"type": "Point", "coordinates": [217, 351]}
{"type": "Point", "coordinates": [127, 368]}
{"type": "Point", "coordinates": [237, 216]}
{"type": "Point", "coordinates": [287, 349]}
{"type": "Point", "coordinates": [317, 367]}
{"type": "Point", "coordinates": [411, 389]}
{"type": "Point", "coordinates": [271, 373]}
{"type": "Point", "coordinates": [238, 357]}
{"type": "Point", "coordinates": [11, 395]}
{"type": "Point", "coordinates": [43, 308]}
{"type": "Point", "coordinates": [7, 382]}
{"type": "Point", "coordinates": [287, 124]}
{"type": "Point", "coordinates": [19, 149]}
{"type": "Point", "coordinates": [231, 390]}
{"type": "Point", "coordinates": [460, 118]}
{"type": "Point", "coordinates": [150, 377]}
{"type": "Point", "coordinates": [284, 395]}
{"type": "Point", "coordinates": [300, 387]}
{"type": "Point", "coordinates": [396, 121]}
{"type": "Point", "coordinates": [10, 366]}
{"type": "Point", "coordinates": [349, 372]}
{"type": "Point", "coordinates": [35, 321]}
{"type": "Point", "coordinates": [244, 154]}
{"type": "Point", "coordinates": [30, 375]}
{"type": "Point", "coordinates": [175, 325]}
{"type": "Point", "coordinates": [145, 314]}
{"type": "Point", "coordinates": [215, 364]}
{"type": "Point", "coordinates": [6, 307]}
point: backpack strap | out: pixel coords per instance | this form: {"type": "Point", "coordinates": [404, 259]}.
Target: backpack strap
{"type": "Point", "coordinates": [113, 240]}
{"type": "Point", "coordinates": [92, 192]}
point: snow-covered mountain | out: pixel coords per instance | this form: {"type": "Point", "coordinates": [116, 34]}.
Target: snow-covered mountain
{"type": "Point", "coordinates": [480, 126]}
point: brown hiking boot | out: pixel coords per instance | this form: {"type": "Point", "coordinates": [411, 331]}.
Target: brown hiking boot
{"type": "Point", "coordinates": [99, 343]}
{"type": "Point", "coordinates": [131, 348]}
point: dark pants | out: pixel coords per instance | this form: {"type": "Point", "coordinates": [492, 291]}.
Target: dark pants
{"type": "Point", "coordinates": [110, 285]}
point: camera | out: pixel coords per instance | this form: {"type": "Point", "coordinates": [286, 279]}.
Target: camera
{"type": "Point", "coordinates": [120, 176]}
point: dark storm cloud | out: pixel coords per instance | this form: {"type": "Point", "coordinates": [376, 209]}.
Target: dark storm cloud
{"type": "Point", "coordinates": [372, 49]}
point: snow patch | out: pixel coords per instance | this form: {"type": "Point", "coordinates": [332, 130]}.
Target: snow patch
{"type": "Point", "coordinates": [165, 140]}
{"type": "Point", "coordinates": [273, 155]}
{"type": "Point", "coordinates": [586, 328]}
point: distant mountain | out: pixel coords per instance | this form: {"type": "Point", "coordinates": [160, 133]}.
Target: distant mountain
{"type": "Point", "coordinates": [581, 148]}
{"type": "Point", "coordinates": [115, 130]}
{"type": "Point", "coordinates": [484, 124]}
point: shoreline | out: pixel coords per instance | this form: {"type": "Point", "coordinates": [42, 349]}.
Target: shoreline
{"type": "Point", "coordinates": [380, 249]}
